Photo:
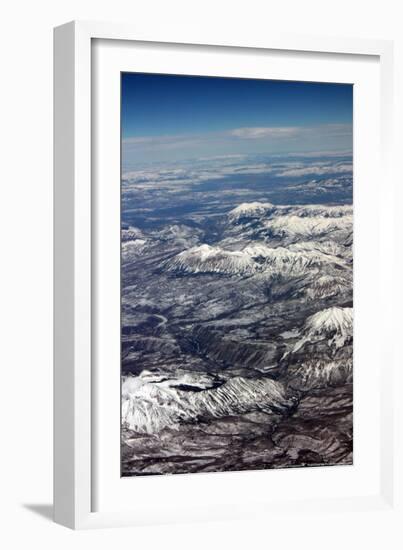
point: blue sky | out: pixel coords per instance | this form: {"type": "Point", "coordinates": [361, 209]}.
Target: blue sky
{"type": "Point", "coordinates": [169, 117]}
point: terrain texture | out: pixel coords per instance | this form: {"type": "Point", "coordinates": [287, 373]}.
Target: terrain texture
{"type": "Point", "coordinates": [237, 316]}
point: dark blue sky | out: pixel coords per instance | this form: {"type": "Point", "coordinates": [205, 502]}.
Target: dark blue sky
{"type": "Point", "coordinates": [211, 112]}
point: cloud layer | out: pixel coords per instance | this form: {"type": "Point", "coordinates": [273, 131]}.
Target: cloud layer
{"type": "Point", "coordinates": [189, 175]}
{"type": "Point", "coordinates": [245, 140]}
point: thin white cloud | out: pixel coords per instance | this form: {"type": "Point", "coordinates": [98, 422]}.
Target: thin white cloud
{"type": "Point", "coordinates": [248, 133]}
{"type": "Point", "coordinates": [266, 132]}
{"type": "Point", "coordinates": [318, 170]}
{"type": "Point", "coordinates": [222, 157]}
{"type": "Point", "coordinates": [163, 142]}
{"type": "Point", "coordinates": [317, 154]}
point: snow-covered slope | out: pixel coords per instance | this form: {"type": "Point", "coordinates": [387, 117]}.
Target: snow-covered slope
{"type": "Point", "coordinates": [325, 286]}
{"type": "Point", "coordinates": [150, 406]}
{"type": "Point", "coordinates": [133, 242]}
{"type": "Point", "coordinates": [292, 223]}
{"type": "Point", "coordinates": [132, 248]}
{"type": "Point", "coordinates": [334, 325]}
{"type": "Point", "coordinates": [329, 248]}
{"type": "Point", "coordinates": [313, 210]}
{"type": "Point", "coordinates": [212, 259]}
{"type": "Point", "coordinates": [131, 233]}
{"type": "Point", "coordinates": [250, 210]}
{"type": "Point", "coordinates": [280, 260]}
{"type": "Point", "coordinates": [253, 258]}
{"type": "Point", "coordinates": [323, 355]}
{"type": "Point", "coordinates": [264, 209]}
{"type": "Point", "coordinates": [322, 374]}
{"type": "Point", "coordinates": [294, 226]}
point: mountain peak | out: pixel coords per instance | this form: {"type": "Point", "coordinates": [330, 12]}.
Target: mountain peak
{"type": "Point", "coordinates": [330, 320]}
{"type": "Point", "coordinates": [250, 209]}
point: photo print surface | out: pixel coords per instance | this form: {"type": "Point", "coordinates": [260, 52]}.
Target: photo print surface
{"type": "Point", "coordinates": [236, 274]}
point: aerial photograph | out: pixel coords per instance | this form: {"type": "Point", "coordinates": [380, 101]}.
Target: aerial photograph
{"type": "Point", "coordinates": [236, 274]}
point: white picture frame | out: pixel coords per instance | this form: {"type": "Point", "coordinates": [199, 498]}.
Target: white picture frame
{"type": "Point", "coordinates": [77, 472]}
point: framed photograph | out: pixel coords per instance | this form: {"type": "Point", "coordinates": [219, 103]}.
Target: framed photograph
{"type": "Point", "coordinates": [222, 215]}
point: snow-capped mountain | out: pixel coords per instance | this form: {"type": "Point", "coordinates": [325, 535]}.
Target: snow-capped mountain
{"type": "Point", "coordinates": [294, 226]}
{"type": "Point", "coordinates": [292, 222]}
{"type": "Point", "coordinates": [150, 406]}
{"type": "Point", "coordinates": [256, 209]}
{"type": "Point", "coordinates": [322, 355]}
{"type": "Point", "coordinates": [285, 260]}
{"type": "Point", "coordinates": [212, 259]}
{"type": "Point", "coordinates": [131, 233]}
{"type": "Point", "coordinates": [334, 325]}
{"type": "Point", "coordinates": [250, 210]}
{"type": "Point", "coordinates": [253, 258]}
{"type": "Point", "coordinates": [314, 210]}
{"type": "Point", "coordinates": [132, 248]}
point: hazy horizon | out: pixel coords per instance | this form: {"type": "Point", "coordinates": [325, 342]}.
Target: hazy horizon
{"type": "Point", "coordinates": [171, 118]}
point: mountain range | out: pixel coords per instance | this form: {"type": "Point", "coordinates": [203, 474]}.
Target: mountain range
{"type": "Point", "coordinates": [237, 338]}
